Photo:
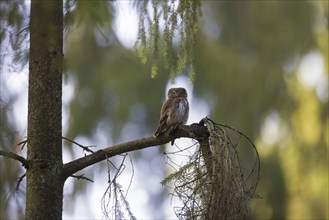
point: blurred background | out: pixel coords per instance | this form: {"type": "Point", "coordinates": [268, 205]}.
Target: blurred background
{"type": "Point", "coordinates": [261, 67]}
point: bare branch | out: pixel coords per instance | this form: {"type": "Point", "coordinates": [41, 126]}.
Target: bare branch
{"type": "Point", "coordinates": [23, 143]}
{"type": "Point", "coordinates": [81, 177]}
{"type": "Point", "coordinates": [85, 148]}
{"type": "Point", "coordinates": [195, 131]}
{"type": "Point", "coordinates": [15, 157]}
{"type": "Point", "coordinates": [19, 181]}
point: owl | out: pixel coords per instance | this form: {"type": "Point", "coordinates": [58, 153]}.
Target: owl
{"type": "Point", "coordinates": [174, 111]}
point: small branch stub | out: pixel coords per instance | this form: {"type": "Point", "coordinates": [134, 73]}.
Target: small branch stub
{"type": "Point", "coordinates": [15, 157]}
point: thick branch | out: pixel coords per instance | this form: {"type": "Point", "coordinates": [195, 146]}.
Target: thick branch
{"type": "Point", "coordinates": [195, 131]}
{"type": "Point", "coordinates": [15, 157]}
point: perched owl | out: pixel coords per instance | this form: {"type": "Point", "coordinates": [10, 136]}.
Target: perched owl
{"type": "Point", "coordinates": [174, 111]}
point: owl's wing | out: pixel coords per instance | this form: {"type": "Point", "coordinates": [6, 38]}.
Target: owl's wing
{"type": "Point", "coordinates": [162, 125]}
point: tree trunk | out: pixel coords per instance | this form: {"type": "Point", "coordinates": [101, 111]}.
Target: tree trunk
{"type": "Point", "coordinates": [44, 199]}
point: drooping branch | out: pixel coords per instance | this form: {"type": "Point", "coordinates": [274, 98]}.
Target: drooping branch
{"type": "Point", "coordinates": [195, 131]}
{"type": "Point", "coordinates": [179, 19]}
{"type": "Point", "coordinates": [15, 157]}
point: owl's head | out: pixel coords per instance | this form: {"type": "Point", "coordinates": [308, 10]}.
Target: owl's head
{"type": "Point", "coordinates": [177, 92]}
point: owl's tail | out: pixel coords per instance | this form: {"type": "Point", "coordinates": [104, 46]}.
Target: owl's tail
{"type": "Point", "coordinates": [159, 131]}
{"type": "Point", "coordinates": [162, 128]}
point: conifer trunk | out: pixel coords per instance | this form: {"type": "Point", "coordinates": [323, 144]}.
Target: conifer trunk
{"type": "Point", "coordinates": [44, 197]}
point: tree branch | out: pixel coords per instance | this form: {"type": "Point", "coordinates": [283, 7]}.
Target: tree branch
{"type": "Point", "coordinates": [15, 157]}
{"type": "Point", "coordinates": [195, 131]}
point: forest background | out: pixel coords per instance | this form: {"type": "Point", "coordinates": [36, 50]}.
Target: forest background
{"type": "Point", "coordinates": [261, 67]}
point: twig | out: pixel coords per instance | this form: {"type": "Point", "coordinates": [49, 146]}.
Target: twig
{"type": "Point", "coordinates": [82, 177]}
{"type": "Point", "coordinates": [22, 143]}
{"type": "Point", "coordinates": [86, 148]}
{"type": "Point", "coordinates": [15, 157]}
{"type": "Point", "coordinates": [24, 29]}
{"type": "Point", "coordinates": [19, 181]}
{"type": "Point", "coordinates": [132, 174]}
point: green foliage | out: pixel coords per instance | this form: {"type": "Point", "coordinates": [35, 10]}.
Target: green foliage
{"type": "Point", "coordinates": [93, 12]}
{"type": "Point", "coordinates": [14, 31]}
{"type": "Point", "coordinates": [13, 48]}
{"type": "Point", "coordinates": [157, 34]}
{"type": "Point", "coordinates": [10, 170]}
{"type": "Point", "coordinates": [248, 71]}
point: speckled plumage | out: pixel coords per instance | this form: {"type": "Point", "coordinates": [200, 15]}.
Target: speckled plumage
{"type": "Point", "coordinates": [174, 111]}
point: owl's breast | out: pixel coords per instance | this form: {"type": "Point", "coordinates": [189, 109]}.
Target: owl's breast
{"type": "Point", "coordinates": [183, 111]}
{"type": "Point", "coordinates": [181, 107]}
{"type": "Point", "coordinates": [178, 112]}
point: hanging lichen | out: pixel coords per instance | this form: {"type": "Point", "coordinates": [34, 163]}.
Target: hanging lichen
{"type": "Point", "coordinates": [215, 184]}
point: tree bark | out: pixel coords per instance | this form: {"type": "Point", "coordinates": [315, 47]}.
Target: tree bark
{"type": "Point", "coordinates": [44, 175]}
